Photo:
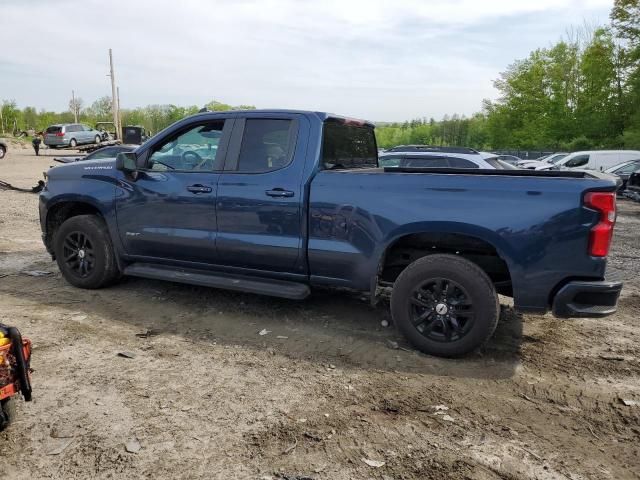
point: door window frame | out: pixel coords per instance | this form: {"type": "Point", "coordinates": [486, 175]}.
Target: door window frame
{"type": "Point", "coordinates": [232, 159]}
{"type": "Point", "coordinates": [223, 145]}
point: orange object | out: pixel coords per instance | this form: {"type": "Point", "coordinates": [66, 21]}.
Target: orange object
{"type": "Point", "coordinates": [9, 384]}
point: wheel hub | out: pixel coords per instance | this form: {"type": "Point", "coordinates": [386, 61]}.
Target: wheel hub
{"type": "Point", "coordinates": [442, 309]}
{"type": "Point", "coordinates": [81, 253]}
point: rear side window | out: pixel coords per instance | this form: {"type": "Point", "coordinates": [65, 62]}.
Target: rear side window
{"type": "Point", "coordinates": [434, 161]}
{"type": "Point", "coordinates": [54, 130]}
{"type": "Point", "coordinates": [267, 145]}
{"type": "Point", "coordinates": [461, 163]}
{"type": "Point", "coordinates": [425, 162]}
{"type": "Point", "coordinates": [389, 161]}
{"type": "Point", "coordinates": [348, 146]}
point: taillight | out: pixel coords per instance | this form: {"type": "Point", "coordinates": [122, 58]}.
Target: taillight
{"type": "Point", "coordinates": [601, 233]}
{"type": "Point", "coordinates": [60, 134]}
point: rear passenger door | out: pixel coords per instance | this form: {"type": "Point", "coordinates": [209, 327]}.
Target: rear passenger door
{"type": "Point", "coordinates": [261, 223]}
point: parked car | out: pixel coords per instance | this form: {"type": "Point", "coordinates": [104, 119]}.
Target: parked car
{"type": "Point", "coordinates": [543, 161]}
{"type": "Point", "coordinates": [624, 171]}
{"type": "Point", "coordinates": [434, 158]}
{"type": "Point", "coordinates": [294, 200]}
{"type": "Point", "coordinates": [71, 135]}
{"type": "Point", "coordinates": [3, 148]}
{"type": "Point", "coordinates": [510, 159]}
{"type": "Point", "coordinates": [104, 152]}
{"type": "Point", "coordinates": [495, 162]}
{"type": "Point", "coordinates": [594, 159]}
{"type": "Point", "coordinates": [632, 189]}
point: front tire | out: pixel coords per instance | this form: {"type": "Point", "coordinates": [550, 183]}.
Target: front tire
{"type": "Point", "coordinates": [2, 152]}
{"type": "Point", "coordinates": [445, 305]}
{"type": "Point", "coordinates": [84, 252]}
{"type": "Point", "coordinates": [97, 140]}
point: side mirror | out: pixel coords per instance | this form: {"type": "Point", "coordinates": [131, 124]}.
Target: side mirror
{"type": "Point", "coordinates": [126, 162]}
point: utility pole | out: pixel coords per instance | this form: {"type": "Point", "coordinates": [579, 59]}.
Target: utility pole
{"type": "Point", "coordinates": [75, 107]}
{"type": "Point", "coordinates": [119, 117]}
{"type": "Point", "coordinates": [114, 100]}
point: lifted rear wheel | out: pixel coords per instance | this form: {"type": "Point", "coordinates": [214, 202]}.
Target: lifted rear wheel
{"type": "Point", "coordinates": [445, 305]}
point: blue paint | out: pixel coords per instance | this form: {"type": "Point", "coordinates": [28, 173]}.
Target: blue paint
{"type": "Point", "coordinates": [336, 226]}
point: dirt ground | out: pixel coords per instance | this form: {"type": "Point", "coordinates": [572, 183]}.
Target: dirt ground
{"type": "Point", "coordinates": [206, 396]}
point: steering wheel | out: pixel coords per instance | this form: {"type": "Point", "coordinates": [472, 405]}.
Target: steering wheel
{"type": "Point", "coordinates": [194, 164]}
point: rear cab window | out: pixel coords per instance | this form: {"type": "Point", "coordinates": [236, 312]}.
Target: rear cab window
{"type": "Point", "coordinates": [54, 130]}
{"type": "Point", "coordinates": [348, 145]}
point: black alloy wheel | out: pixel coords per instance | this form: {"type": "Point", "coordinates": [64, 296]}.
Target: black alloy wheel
{"type": "Point", "coordinates": [79, 255]}
{"type": "Point", "coordinates": [441, 310]}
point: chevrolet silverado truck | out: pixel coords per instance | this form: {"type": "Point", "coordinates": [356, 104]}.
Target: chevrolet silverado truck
{"type": "Point", "coordinates": [279, 202]}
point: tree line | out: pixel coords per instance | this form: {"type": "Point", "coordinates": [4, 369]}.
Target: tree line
{"type": "Point", "coordinates": [153, 117]}
{"type": "Point", "coordinates": [583, 92]}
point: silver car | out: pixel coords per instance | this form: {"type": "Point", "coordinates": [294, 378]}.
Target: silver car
{"type": "Point", "coordinates": [70, 135]}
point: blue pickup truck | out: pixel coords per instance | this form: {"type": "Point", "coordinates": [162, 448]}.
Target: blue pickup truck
{"type": "Point", "coordinates": [278, 202]}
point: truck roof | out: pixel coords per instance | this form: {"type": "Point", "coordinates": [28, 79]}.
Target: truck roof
{"type": "Point", "coordinates": [323, 116]}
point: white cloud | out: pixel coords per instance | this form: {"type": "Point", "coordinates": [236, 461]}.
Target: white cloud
{"type": "Point", "coordinates": [376, 59]}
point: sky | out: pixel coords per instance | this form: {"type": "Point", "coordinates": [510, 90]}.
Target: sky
{"type": "Point", "coordinates": [380, 60]}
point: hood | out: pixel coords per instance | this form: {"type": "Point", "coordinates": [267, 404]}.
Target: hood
{"type": "Point", "coordinates": [101, 167]}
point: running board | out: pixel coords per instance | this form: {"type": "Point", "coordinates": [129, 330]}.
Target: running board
{"type": "Point", "coordinates": [242, 283]}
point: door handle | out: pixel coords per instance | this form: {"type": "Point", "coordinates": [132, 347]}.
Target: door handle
{"type": "Point", "coordinates": [279, 192]}
{"type": "Point", "coordinates": [197, 188]}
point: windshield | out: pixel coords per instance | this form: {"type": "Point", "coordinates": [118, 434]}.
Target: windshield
{"type": "Point", "coordinates": [348, 146]}
{"type": "Point", "coordinates": [557, 158]}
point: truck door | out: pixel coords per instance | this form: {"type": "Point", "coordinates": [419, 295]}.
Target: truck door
{"type": "Point", "coordinates": [168, 211]}
{"type": "Point", "coordinates": [261, 222]}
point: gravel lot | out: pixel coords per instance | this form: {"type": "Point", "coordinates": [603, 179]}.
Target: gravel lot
{"type": "Point", "coordinates": [206, 396]}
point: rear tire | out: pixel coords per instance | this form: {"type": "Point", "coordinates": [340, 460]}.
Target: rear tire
{"type": "Point", "coordinates": [3, 151]}
{"type": "Point", "coordinates": [7, 412]}
{"type": "Point", "coordinates": [445, 305]}
{"type": "Point", "coordinates": [84, 252]}
{"type": "Point", "coordinates": [73, 143]}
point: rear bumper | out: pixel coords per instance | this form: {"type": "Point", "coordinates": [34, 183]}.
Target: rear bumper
{"type": "Point", "coordinates": [55, 141]}
{"type": "Point", "coordinates": [587, 299]}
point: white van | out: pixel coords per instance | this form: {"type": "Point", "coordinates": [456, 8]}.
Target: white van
{"type": "Point", "coordinates": [597, 159]}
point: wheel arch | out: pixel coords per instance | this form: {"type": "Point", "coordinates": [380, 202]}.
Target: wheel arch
{"type": "Point", "coordinates": [63, 209]}
{"type": "Point", "coordinates": [478, 244]}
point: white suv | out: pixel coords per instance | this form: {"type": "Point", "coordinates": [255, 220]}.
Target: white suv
{"type": "Point", "coordinates": [425, 156]}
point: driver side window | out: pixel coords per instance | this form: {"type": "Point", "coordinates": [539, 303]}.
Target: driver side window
{"type": "Point", "coordinates": [194, 149]}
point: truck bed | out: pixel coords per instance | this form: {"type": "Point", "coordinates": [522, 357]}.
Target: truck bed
{"type": "Point", "coordinates": [509, 173]}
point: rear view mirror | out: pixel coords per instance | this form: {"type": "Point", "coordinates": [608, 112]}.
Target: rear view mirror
{"type": "Point", "coordinates": [126, 162]}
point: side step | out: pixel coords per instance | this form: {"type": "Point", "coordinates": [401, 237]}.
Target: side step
{"type": "Point", "coordinates": [243, 283]}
